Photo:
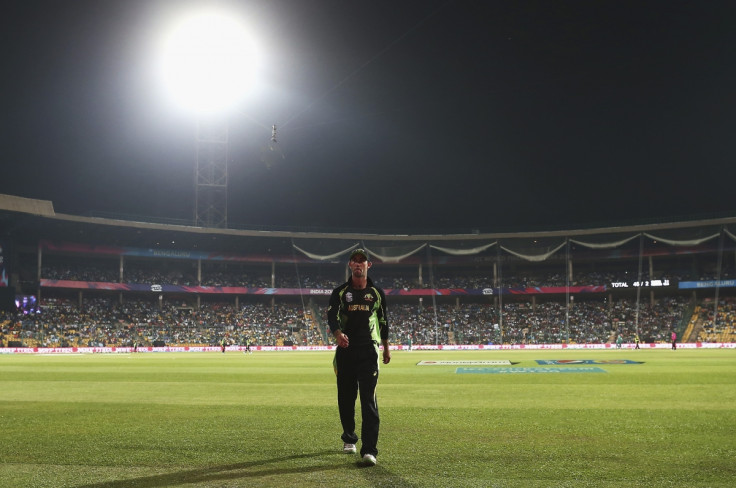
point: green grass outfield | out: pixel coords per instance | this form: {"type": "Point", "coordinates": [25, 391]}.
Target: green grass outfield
{"type": "Point", "coordinates": [270, 419]}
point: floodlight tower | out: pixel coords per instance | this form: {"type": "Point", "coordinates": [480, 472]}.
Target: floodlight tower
{"type": "Point", "coordinates": [207, 63]}
{"type": "Point", "coordinates": [210, 174]}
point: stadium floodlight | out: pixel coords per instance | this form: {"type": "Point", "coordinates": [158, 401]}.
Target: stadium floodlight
{"type": "Point", "coordinates": [207, 61]}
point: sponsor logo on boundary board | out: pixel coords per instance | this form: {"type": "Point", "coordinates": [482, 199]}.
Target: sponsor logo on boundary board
{"type": "Point", "coordinates": [498, 362]}
{"type": "Point", "coordinates": [586, 361]}
{"type": "Point", "coordinates": [526, 370]}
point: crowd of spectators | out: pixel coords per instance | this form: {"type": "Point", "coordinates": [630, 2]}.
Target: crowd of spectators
{"type": "Point", "coordinates": [101, 322]}
{"type": "Point", "coordinates": [586, 322]}
{"type": "Point", "coordinates": [716, 329]}
{"type": "Point", "coordinates": [107, 322]}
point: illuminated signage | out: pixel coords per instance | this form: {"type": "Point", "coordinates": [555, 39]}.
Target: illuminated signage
{"type": "Point", "coordinates": [642, 284]}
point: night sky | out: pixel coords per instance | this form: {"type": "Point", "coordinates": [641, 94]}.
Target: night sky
{"type": "Point", "coordinates": [392, 116]}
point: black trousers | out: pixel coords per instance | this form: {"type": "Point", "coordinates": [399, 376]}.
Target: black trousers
{"type": "Point", "coordinates": [357, 371]}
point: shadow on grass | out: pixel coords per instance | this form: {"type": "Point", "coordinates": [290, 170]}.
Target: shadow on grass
{"type": "Point", "coordinates": [378, 475]}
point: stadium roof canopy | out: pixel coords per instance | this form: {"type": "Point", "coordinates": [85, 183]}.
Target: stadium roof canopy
{"type": "Point", "coordinates": [29, 220]}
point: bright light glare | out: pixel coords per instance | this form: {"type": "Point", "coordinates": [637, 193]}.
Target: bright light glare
{"type": "Point", "coordinates": [207, 62]}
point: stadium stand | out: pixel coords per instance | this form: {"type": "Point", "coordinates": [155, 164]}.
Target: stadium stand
{"type": "Point", "coordinates": [118, 282]}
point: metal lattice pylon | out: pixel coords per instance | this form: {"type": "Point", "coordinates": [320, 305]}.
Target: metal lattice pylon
{"type": "Point", "coordinates": [210, 176]}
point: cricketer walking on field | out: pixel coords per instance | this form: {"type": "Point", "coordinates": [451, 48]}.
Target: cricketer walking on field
{"type": "Point", "coordinates": [357, 319]}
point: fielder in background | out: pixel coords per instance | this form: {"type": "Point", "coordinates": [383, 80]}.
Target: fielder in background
{"type": "Point", "coordinates": [357, 319]}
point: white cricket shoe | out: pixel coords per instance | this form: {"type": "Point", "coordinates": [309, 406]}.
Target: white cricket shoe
{"type": "Point", "coordinates": [349, 448]}
{"type": "Point", "coordinates": [369, 460]}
